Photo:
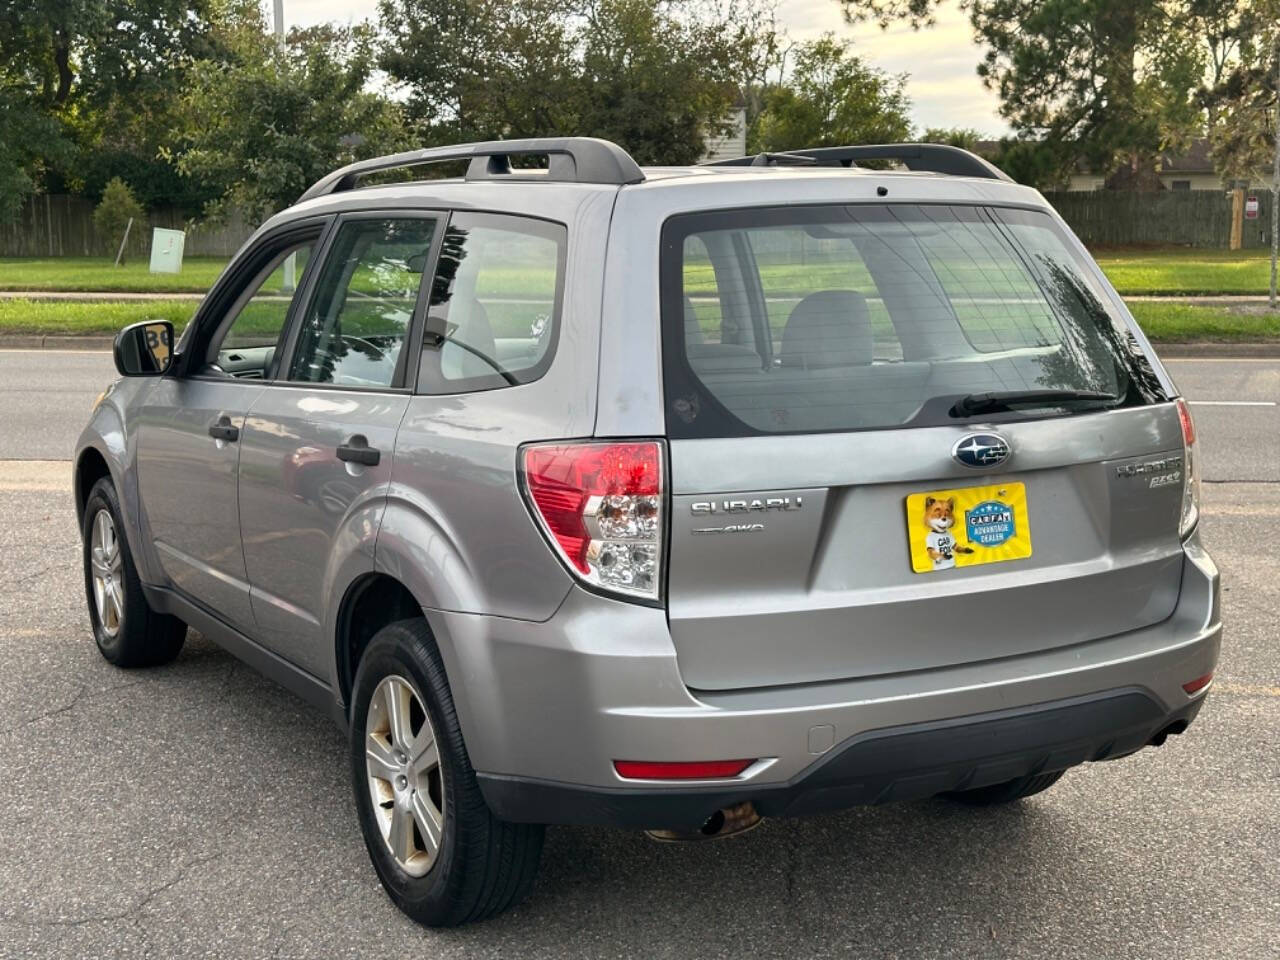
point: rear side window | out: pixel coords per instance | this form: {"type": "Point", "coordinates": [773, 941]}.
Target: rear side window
{"type": "Point", "coordinates": [357, 326]}
{"type": "Point", "coordinates": [834, 318]}
{"type": "Point", "coordinates": [494, 312]}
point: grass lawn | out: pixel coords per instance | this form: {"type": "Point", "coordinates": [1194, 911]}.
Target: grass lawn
{"type": "Point", "coordinates": [1156, 272]}
{"type": "Point", "coordinates": [53, 317]}
{"type": "Point", "coordinates": [99, 273]}
{"type": "Point", "coordinates": [1174, 322]}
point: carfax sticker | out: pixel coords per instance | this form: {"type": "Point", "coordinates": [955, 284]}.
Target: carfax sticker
{"type": "Point", "coordinates": [963, 528]}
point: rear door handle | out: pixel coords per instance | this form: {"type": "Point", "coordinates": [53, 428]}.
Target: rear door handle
{"type": "Point", "coordinates": [357, 450]}
{"type": "Point", "coordinates": [224, 430]}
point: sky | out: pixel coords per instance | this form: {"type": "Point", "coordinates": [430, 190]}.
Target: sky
{"type": "Point", "coordinates": [944, 86]}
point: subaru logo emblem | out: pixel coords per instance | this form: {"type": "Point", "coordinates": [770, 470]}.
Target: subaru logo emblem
{"type": "Point", "coordinates": [981, 450]}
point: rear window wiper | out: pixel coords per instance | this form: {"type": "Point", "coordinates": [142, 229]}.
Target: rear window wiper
{"type": "Point", "coordinates": [976, 403]}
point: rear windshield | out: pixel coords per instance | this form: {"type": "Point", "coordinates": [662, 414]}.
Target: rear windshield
{"type": "Point", "coordinates": [834, 318]}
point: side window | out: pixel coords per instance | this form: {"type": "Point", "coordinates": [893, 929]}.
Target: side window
{"type": "Point", "coordinates": [494, 314]}
{"type": "Point", "coordinates": [248, 342]}
{"type": "Point", "coordinates": [355, 330]}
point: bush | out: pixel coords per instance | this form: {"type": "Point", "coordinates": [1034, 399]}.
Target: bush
{"type": "Point", "coordinates": [112, 214]}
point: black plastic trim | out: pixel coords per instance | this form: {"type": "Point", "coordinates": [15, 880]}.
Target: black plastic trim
{"type": "Point", "coordinates": [909, 762]}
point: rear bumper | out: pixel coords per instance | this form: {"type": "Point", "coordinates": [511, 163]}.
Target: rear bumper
{"type": "Point", "coordinates": [901, 763]}
{"type": "Point", "coordinates": [547, 707]}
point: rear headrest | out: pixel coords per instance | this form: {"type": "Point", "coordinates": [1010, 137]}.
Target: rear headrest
{"type": "Point", "coordinates": [828, 328]}
{"type": "Point", "coordinates": [475, 331]}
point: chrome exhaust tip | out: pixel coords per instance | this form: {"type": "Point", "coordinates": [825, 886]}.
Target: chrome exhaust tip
{"type": "Point", "coordinates": [725, 822]}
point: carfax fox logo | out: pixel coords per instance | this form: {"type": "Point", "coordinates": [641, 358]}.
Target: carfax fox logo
{"type": "Point", "coordinates": [940, 517]}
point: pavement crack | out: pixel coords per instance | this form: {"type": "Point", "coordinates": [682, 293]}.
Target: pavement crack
{"type": "Point", "coordinates": [132, 913]}
{"type": "Point", "coordinates": [84, 693]}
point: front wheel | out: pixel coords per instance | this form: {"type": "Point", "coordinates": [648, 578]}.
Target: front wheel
{"type": "Point", "coordinates": [442, 856]}
{"type": "Point", "coordinates": [1006, 792]}
{"type": "Point", "coordinates": [128, 632]}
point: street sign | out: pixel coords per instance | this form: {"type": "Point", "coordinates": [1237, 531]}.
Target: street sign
{"type": "Point", "coordinates": [1251, 208]}
{"type": "Point", "coordinates": [166, 250]}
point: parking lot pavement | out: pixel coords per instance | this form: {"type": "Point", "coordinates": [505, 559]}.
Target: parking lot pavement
{"type": "Point", "coordinates": [198, 809]}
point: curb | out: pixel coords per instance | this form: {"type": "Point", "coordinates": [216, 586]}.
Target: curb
{"type": "Point", "coordinates": [1218, 350]}
{"type": "Point", "coordinates": [38, 341]}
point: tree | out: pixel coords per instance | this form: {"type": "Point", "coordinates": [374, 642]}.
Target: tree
{"type": "Point", "coordinates": [655, 75]}
{"type": "Point", "coordinates": [832, 98]}
{"type": "Point", "coordinates": [269, 122]}
{"type": "Point", "coordinates": [96, 77]}
{"type": "Point", "coordinates": [1242, 103]}
{"type": "Point", "coordinates": [1110, 83]}
{"type": "Point", "coordinates": [964, 137]}
{"type": "Point", "coordinates": [117, 208]}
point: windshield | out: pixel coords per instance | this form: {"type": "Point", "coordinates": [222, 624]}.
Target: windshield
{"type": "Point", "coordinates": [832, 318]}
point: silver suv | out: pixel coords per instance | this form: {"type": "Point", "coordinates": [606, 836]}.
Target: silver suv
{"type": "Point", "coordinates": [665, 498]}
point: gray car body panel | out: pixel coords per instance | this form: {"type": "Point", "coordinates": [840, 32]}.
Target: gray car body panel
{"type": "Point", "coordinates": [553, 682]}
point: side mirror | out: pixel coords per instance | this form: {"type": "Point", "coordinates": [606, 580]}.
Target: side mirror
{"type": "Point", "coordinates": [144, 349]}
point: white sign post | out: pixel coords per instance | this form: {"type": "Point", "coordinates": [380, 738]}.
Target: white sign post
{"type": "Point", "coordinates": [166, 250]}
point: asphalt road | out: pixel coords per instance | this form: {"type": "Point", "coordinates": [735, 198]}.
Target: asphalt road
{"type": "Point", "coordinates": [199, 809]}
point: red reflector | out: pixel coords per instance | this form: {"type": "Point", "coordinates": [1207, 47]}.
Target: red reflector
{"type": "Point", "coordinates": [561, 478]}
{"type": "Point", "coordinates": [680, 770]}
{"type": "Point", "coordinates": [1188, 425]}
{"type": "Point", "coordinates": [1198, 684]}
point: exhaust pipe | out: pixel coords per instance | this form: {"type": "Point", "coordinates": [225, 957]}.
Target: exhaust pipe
{"type": "Point", "coordinates": [725, 822]}
{"type": "Point", "coordinates": [1172, 730]}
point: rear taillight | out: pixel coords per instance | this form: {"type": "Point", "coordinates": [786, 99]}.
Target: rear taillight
{"type": "Point", "coordinates": [1190, 473]}
{"type": "Point", "coordinates": [601, 505]}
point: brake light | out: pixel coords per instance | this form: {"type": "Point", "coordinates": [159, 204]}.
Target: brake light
{"type": "Point", "coordinates": [1190, 472]}
{"type": "Point", "coordinates": [681, 770]}
{"type": "Point", "coordinates": [601, 505]}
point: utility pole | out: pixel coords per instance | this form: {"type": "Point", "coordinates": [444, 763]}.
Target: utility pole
{"type": "Point", "coordinates": [1275, 180]}
{"type": "Point", "coordinates": [279, 19]}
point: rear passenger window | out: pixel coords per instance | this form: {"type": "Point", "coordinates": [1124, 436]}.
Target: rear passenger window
{"type": "Point", "coordinates": [494, 312]}
{"type": "Point", "coordinates": [356, 328]}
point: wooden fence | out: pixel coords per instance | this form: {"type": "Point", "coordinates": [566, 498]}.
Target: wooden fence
{"type": "Point", "coordinates": [1193, 218]}
{"type": "Point", "coordinates": [62, 226]}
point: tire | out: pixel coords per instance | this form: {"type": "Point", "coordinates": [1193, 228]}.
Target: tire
{"type": "Point", "coordinates": [480, 865]}
{"type": "Point", "coordinates": [1006, 792]}
{"type": "Point", "coordinates": [133, 635]}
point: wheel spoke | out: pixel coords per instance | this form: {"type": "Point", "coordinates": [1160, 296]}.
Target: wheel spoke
{"type": "Point", "coordinates": [398, 715]}
{"type": "Point", "coordinates": [426, 758]}
{"type": "Point", "coordinates": [382, 762]}
{"type": "Point", "coordinates": [113, 601]}
{"type": "Point", "coordinates": [99, 564]}
{"type": "Point", "coordinates": [430, 822]}
{"type": "Point", "coordinates": [401, 835]}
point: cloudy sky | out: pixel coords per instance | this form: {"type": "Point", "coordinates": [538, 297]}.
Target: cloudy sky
{"type": "Point", "coordinates": [944, 88]}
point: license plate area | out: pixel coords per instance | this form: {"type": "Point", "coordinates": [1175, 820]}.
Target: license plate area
{"type": "Point", "coordinates": [968, 526]}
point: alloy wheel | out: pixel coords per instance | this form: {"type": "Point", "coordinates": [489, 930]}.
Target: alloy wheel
{"type": "Point", "coordinates": [406, 780]}
{"type": "Point", "coordinates": [107, 569]}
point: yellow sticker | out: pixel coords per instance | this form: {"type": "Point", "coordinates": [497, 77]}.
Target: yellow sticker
{"type": "Point", "coordinates": [962, 528]}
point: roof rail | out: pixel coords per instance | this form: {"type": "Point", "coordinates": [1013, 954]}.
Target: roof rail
{"type": "Point", "coordinates": [571, 160]}
{"type": "Point", "coordinates": [930, 157]}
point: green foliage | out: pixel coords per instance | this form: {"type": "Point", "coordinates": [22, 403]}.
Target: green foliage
{"type": "Point", "coordinates": [1241, 99]}
{"type": "Point", "coordinates": [268, 122]}
{"type": "Point", "coordinates": [91, 79]}
{"type": "Point", "coordinates": [965, 138]}
{"type": "Point", "coordinates": [654, 76]}
{"type": "Point", "coordinates": [832, 98]}
{"type": "Point", "coordinates": [112, 214]}
{"type": "Point", "coordinates": [1105, 82]}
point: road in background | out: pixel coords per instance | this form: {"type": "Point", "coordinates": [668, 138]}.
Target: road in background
{"type": "Point", "coordinates": [200, 810]}
{"type": "Point", "coordinates": [46, 396]}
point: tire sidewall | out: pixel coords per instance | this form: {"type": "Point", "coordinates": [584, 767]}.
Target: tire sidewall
{"type": "Point", "coordinates": [394, 651]}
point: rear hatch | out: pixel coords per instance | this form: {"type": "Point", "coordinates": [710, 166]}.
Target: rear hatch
{"type": "Point", "coordinates": [904, 437]}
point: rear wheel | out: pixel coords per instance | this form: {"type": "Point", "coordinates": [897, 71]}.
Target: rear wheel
{"type": "Point", "coordinates": [442, 856]}
{"type": "Point", "coordinates": [128, 632]}
{"type": "Point", "coordinates": [1006, 792]}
